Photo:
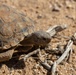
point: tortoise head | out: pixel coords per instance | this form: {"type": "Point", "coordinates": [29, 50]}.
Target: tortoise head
{"type": "Point", "coordinates": [41, 37]}
{"type": "Point", "coordinates": [37, 38]}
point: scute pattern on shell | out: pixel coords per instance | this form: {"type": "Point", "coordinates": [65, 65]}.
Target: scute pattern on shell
{"type": "Point", "coordinates": [14, 26]}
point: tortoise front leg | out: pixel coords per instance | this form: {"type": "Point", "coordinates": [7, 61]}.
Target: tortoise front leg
{"type": "Point", "coordinates": [5, 56]}
{"type": "Point", "coordinates": [23, 48]}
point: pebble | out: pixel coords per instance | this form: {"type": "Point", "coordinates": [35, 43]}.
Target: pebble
{"type": "Point", "coordinates": [70, 17]}
{"type": "Point", "coordinates": [56, 8]}
{"type": "Point", "coordinates": [39, 16]}
{"type": "Point", "coordinates": [68, 4]}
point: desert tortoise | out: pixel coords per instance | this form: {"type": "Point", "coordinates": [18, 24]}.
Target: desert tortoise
{"type": "Point", "coordinates": [17, 29]}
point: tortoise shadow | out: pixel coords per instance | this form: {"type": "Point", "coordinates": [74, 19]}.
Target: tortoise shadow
{"type": "Point", "coordinates": [14, 63]}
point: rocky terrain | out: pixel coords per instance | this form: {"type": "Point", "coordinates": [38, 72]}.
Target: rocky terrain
{"type": "Point", "coordinates": [45, 13]}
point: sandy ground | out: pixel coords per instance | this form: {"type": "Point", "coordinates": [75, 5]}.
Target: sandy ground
{"type": "Point", "coordinates": [45, 13]}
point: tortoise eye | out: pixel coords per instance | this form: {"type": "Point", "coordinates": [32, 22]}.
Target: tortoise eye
{"type": "Point", "coordinates": [44, 39]}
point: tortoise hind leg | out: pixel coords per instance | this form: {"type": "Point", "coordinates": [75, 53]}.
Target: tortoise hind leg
{"type": "Point", "coordinates": [5, 56]}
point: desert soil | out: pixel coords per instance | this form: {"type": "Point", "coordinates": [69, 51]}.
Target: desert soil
{"type": "Point", "coordinates": [45, 13]}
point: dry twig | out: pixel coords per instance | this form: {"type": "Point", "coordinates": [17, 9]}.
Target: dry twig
{"type": "Point", "coordinates": [68, 48]}
{"type": "Point", "coordinates": [55, 29]}
{"type": "Point", "coordinates": [31, 53]}
{"type": "Point", "coordinates": [46, 65]}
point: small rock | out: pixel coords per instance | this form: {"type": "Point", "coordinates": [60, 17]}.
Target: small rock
{"type": "Point", "coordinates": [56, 8]}
{"type": "Point", "coordinates": [68, 4]}
{"type": "Point", "coordinates": [70, 17]}
{"type": "Point", "coordinates": [39, 16]}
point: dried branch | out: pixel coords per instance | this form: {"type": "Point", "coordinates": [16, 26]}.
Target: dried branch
{"type": "Point", "coordinates": [68, 48]}
{"type": "Point", "coordinates": [31, 53]}
{"type": "Point", "coordinates": [55, 29]}
{"type": "Point", "coordinates": [46, 65]}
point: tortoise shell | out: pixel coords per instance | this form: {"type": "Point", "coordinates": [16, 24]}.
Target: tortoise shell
{"type": "Point", "coordinates": [14, 26]}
